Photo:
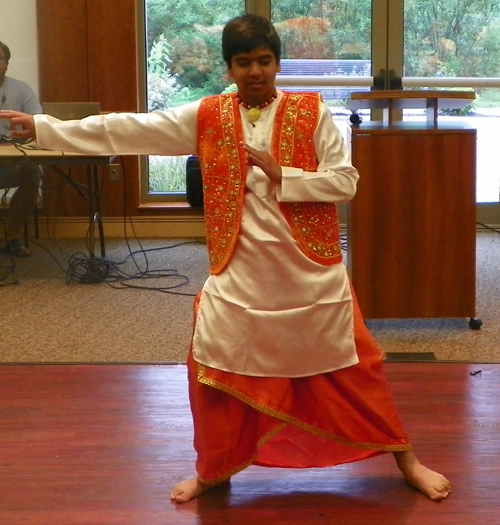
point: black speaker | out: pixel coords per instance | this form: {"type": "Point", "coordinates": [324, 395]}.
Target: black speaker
{"type": "Point", "coordinates": [194, 183]}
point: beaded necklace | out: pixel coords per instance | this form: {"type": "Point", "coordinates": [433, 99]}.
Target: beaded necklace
{"type": "Point", "coordinates": [253, 114]}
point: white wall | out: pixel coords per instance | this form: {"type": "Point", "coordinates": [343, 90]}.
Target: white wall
{"type": "Point", "coordinates": [18, 30]}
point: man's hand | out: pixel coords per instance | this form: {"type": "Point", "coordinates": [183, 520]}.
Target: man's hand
{"type": "Point", "coordinates": [22, 125]}
{"type": "Point", "coordinates": [264, 161]}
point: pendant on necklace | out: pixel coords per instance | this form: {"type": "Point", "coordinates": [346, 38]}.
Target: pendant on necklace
{"type": "Point", "coordinates": [253, 115]}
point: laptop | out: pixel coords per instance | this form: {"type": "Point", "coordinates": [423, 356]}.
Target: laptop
{"type": "Point", "coordinates": [71, 110]}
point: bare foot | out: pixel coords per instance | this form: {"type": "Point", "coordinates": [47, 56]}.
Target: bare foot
{"type": "Point", "coordinates": [432, 484]}
{"type": "Point", "coordinates": [189, 489]}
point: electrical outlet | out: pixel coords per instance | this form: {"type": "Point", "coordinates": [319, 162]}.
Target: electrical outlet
{"type": "Point", "coordinates": [115, 172]}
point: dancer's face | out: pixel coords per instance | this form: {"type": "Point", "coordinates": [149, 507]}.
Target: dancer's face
{"type": "Point", "coordinates": [254, 73]}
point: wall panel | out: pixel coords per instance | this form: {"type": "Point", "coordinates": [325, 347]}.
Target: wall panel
{"type": "Point", "coordinates": [112, 54]}
{"type": "Point", "coordinates": [87, 52]}
{"type": "Point", "coordinates": [62, 50]}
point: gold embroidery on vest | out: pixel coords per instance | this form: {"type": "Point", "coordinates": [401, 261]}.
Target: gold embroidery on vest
{"type": "Point", "coordinates": [223, 170]}
{"type": "Point", "coordinates": [314, 224]}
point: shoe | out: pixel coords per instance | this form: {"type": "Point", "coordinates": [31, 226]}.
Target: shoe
{"type": "Point", "coordinates": [16, 247]}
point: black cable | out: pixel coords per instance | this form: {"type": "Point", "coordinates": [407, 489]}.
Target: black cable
{"type": "Point", "coordinates": [84, 269]}
{"type": "Point", "coordinates": [485, 226]}
{"type": "Point", "coordinates": [87, 270]}
{"type": "Point", "coordinates": [120, 279]}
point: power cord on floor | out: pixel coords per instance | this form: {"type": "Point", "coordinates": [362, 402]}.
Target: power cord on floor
{"type": "Point", "coordinates": [120, 279]}
{"type": "Point", "coordinates": [85, 270]}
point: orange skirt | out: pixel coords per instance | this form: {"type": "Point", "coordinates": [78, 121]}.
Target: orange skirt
{"type": "Point", "coordinates": [318, 421]}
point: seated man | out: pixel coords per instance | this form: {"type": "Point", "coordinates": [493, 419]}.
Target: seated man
{"type": "Point", "coordinates": [17, 95]}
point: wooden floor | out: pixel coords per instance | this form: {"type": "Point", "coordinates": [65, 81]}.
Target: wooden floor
{"type": "Point", "coordinates": [103, 444]}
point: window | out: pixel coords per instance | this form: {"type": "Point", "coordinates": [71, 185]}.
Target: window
{"type": "Point", "coordinates": [328, 39]}
{"type": "Point", "coordinates": [453, 44]}
{"type": "Point", "coordinates": [422, 44]}
{"type": "Point", "coordinates": [184, 63]}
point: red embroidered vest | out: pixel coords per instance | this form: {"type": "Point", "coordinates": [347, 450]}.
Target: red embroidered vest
{"type": "Point", "coordinates": [222, 161]}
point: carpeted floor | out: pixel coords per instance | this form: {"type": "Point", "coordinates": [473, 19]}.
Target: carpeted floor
{"type": "Point", "coordinates": [139, 310]}
{"type": "Point", "coordinates": [141, 313]}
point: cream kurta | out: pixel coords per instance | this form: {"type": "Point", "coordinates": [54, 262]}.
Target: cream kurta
{"type": "Point", "coordinates": [271, 311]}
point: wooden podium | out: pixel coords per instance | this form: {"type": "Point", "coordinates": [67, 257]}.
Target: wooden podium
{"type": "Point", "coordinates": [412, 223]}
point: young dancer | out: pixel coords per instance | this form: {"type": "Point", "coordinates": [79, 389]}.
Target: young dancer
{"type": "Point", "coordinates": [282, 370]}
